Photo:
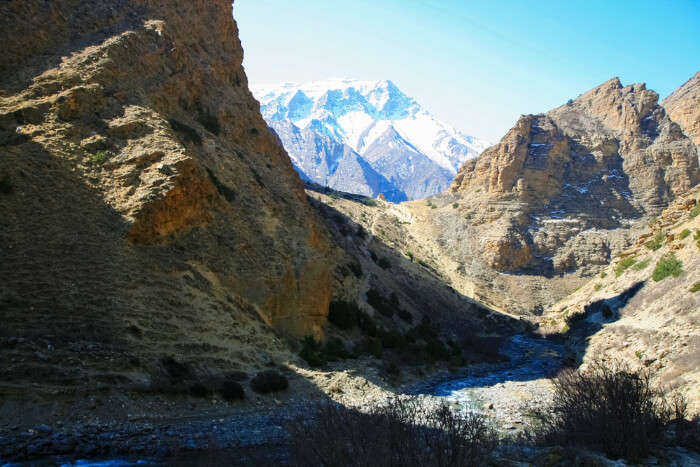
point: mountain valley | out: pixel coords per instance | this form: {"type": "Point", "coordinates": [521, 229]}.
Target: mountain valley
{"type": "Point", "coordinates": [191, 265]}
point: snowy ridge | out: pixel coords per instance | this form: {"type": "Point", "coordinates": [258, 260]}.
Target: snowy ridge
{"type": "Point", "coordinates": [358, 113]}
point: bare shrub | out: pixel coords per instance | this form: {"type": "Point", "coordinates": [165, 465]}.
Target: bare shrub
{"type": "Point", "coordinates": [607, 407]}
{"type": "Point", "coordinates": [404, 432]}
{"type": "Point", "coordinates": [269, 381]}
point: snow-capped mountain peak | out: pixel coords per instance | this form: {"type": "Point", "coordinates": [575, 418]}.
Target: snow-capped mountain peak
{"type": "Point", "coordinates": [356, 113]}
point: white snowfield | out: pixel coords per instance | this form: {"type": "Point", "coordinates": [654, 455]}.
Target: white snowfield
{"type": "Point", "coordinates": [357, 113]}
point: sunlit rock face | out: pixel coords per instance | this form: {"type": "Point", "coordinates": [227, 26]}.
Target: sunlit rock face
{"type": "Point", "coordinates": [561, 190]}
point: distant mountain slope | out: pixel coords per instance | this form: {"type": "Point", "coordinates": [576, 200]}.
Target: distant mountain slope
{"type": "Point", "coordinates": [403, 143]}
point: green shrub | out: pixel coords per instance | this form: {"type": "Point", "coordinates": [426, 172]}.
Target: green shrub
{"type": "Point", "coordinates": [187, 133]}
{"type": "Point", "coordinates": [684, 234]}
{"type": "Point", "coordinates": [623, 265]}
{"type": "Point", "coordinates": [668, 265]}
{"type": "Point", "coordinates": [356, 268]}
{"type": "Point", "coordinates": [317, 354]}
{"type": "Point", "coordinates": [405, 315]}
{"type": "Point", "coordinates": [269, 381]}
{"type": "Point", "coordinates": [344, 315]}
{"type": "Point", "coordinates": [370, 202]}
{"type": "Point", "coordinates": [641, 265]}
{"type": "Point", "coordinates": [98, 157]}
{"type": "Point", "coordinates": [380, 303]}
{"type": "Point", "coordinates": [695, 212]}
{"type": "Point", "coordinates": [410, 255]}
{"type": "Point", "coordinates": [333, 196]}
{"type": "Point", "coordinates": [370, 345]}
{"type": "Point", "coordinates": [366, 324]}
{"type": "Point", "coordinates": [478, 190]}
{"type": "Point", "coordinates": [432, 206]}
{"type": "Point", "coordinates": [696, 236]}
{"type": "Point", "coordinates": [695, 287]}
{"type": "Point", "coordinates": [424, 330]}
{"type": "Point", "coordinates": [603, 275]}
{"type": "Point", "coordinates": [384, 263]}
{"type": "Point", "coordinates": [311, 352]}
{"type": "Point", "coordinates": [653, 220]}
{"type": "Point", "coordinates": [455, 205]}
{"type": "Point", "coordinates": [597, 287]}
{"type": "Point", "coordinates": [657, 242]}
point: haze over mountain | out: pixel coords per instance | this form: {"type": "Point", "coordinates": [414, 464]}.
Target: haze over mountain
{"type": "Point", "coordinates": [365, 137]}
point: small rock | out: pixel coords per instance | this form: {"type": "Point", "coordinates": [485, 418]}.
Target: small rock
{"type": "Point", "coordinates": [490, 406]}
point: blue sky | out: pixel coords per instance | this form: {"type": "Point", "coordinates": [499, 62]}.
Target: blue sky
{"type": "Point", "coordinates": [477, 65]}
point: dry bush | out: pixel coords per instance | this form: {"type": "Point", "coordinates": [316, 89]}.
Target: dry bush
{"type": "Point", "coordinates": [269, 381]}
{"type": "Point", "coordinates": [405, 432]}
{"type": "Point", "coordinates": [607, 407]}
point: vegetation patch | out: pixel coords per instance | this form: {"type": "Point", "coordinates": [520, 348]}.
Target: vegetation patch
{"type": "Point", "coordinates": [655, 243]}
{"type": "Point", "coordinates": [609, 408]}
{"type": "Point", "coordinates": [344, 315]}
{"type": "Point", "coordinates": [684, 234]}
{"type": "Point", "coordinates": [269, 381]}
{"type": "Point", "coordinates": [370, 202]}
{"type": "Point", "coordinates": [642, 264]}
{"type": "Point", "coordinates": [667, 266]}
{"type": "Point", "coordinates": [695, 287]}
{"type": "Point", "coordinates": [597, 287]}
{"type": "Point", "coordinates": [379, 302]}
{"type": "Point", "coordinates": [623, 265]}
{"type": "Point", "coordinates": [695, 212]}
{"type": "Point", "coordinates": [603, 275]}
{"type": "Point", "coordinates": [455, 205]}
{"type": "Point", "coordinates": [318, 354]}
{"type": "Point", "coordinates": [98, 157]}
{"type": "Point", "coordinates": [186, 132]}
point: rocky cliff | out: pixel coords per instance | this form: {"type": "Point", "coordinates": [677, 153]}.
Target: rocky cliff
{"type": "Point", "coordinates": [563, 190]}
{"type": "Point", "coordinates": [146, 208]}
{"type": "Point", "coordinates": [683, 106]}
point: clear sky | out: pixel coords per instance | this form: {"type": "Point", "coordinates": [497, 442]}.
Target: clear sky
{"type": "Point", "coordinates": [477, 65]}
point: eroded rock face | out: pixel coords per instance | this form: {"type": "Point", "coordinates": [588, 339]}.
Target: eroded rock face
{"type": "Point", "coordinates": [147, 205]}
{"type": "Point", "coordinates": [683, 106]}
{"type": "Point", "coordinates": [575, 179]}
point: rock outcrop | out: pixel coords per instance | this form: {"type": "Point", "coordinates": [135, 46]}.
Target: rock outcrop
{"type": "Point", "coordinates": [683, 106]}
{"type": "Point", "coordinates": [146, 208]}
{"type": "Point", "coordinates": [607, 159]}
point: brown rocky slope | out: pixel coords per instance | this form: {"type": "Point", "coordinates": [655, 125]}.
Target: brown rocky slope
{"type": "Point", "coordinates": [561, 192]}
{"type": "Point", "coordinates": [683, 106]}
{"type": "Point", "coordinates": [146, 210]}
{"type": "Point", "coordinates": [635, 312]}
